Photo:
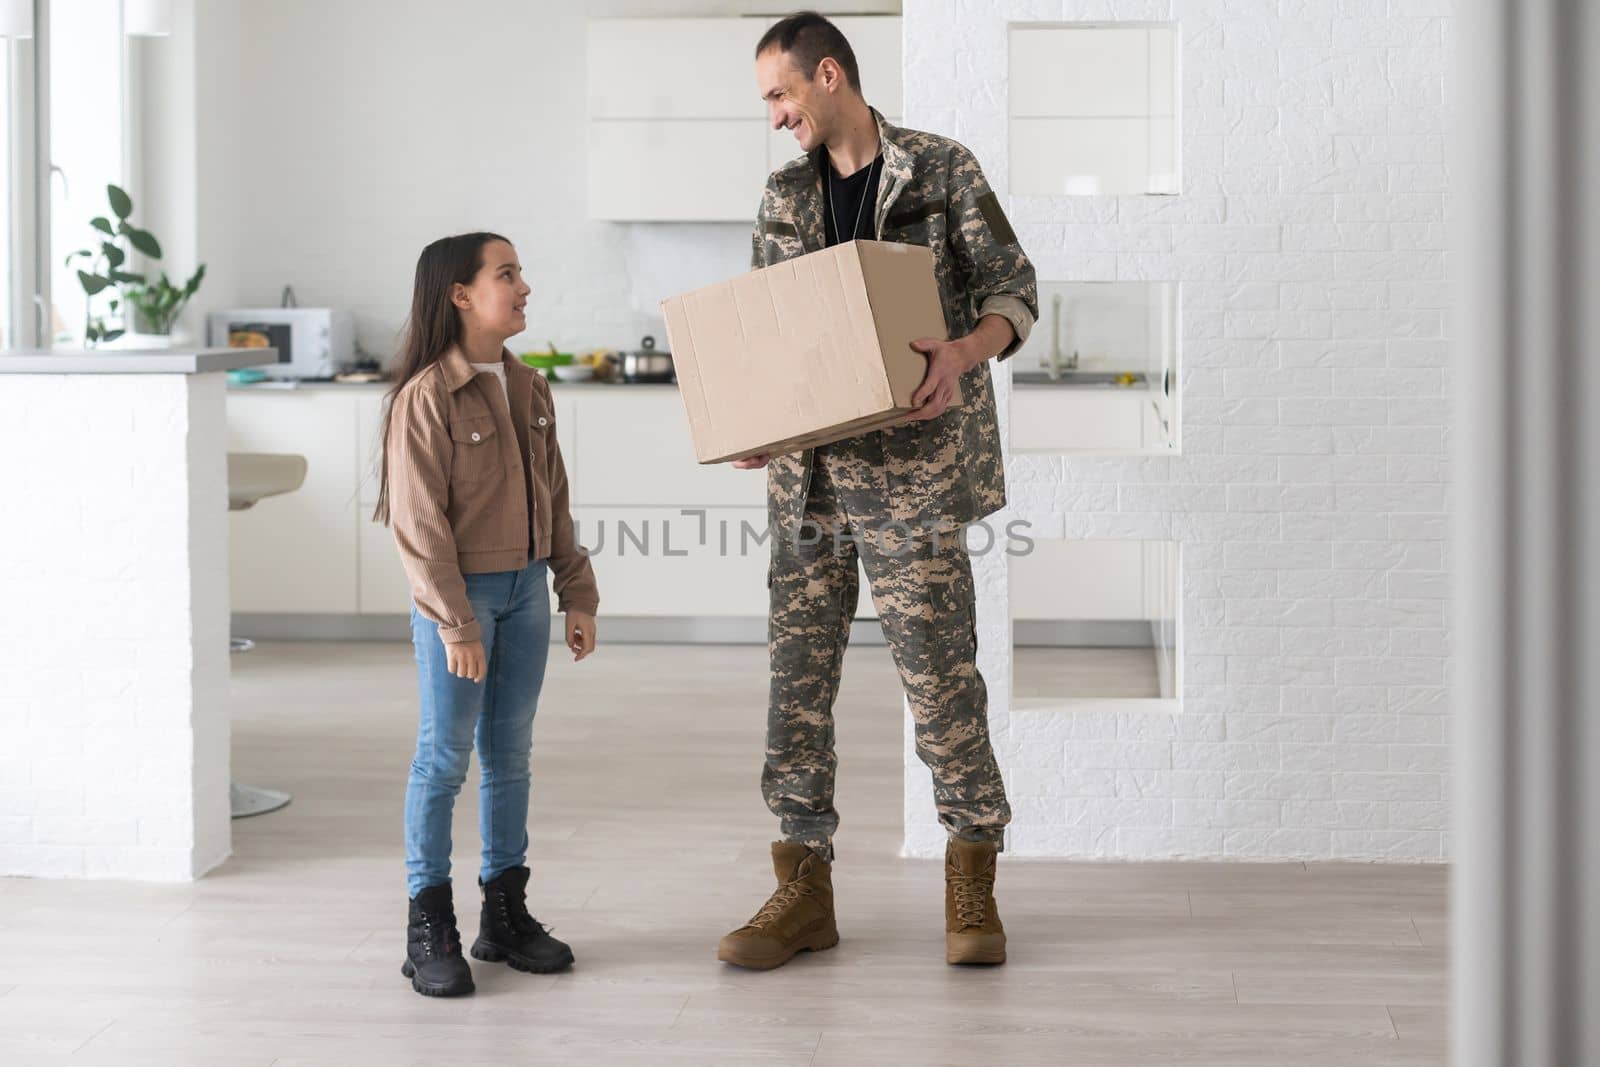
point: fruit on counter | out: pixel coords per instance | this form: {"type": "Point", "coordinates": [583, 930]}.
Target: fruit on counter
{"type": "Point", "coordinates": [601, 360]}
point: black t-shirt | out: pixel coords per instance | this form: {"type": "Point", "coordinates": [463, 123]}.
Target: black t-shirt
{"type": "Point", "coordinates": [852, 201]}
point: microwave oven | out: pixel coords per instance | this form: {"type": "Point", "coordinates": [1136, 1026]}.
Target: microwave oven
{"type": "Point", "coordinates": [311, 342]}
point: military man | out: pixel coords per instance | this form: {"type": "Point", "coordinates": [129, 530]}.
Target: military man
{"type": "Point", "coordinates": [897, 498]}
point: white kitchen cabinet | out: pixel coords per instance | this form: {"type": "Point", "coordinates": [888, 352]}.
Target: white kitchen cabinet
{"type": "Point", "coordinates": [316, 551]}
{"type": "Point", "coordinates": [1048, 418]}
{"type": "Point", "coordinates": [565, 409]}
{"type": "Point", "coordinates": [1061, 581]}
{"type": "Point", "coordinates": [1164, 55]}
{"type": "Point", "coordinates": [681, 170]}
{"type": "Point", "coordinates": [633, 448]}
{"type": "Point", "coordinates": [1080, 156]}
{"type": "Point", "coordinates": [369, 427]}
{"type": "Point", "coordinates": [667, 148]}
{"type": "Point", "coordinates": [1093, 110]}
{"type": "Point", "coordinates": [296, 553]}
{"type": "Point", "coordinates": [384, 588]}
{"type": "Point", "coordinates": [652, 562]}
{"type": "Point", "coordinates": [1060, 71]}
{"type": "Point", "coordinates": [876, 41]}
{"type": "Point", "coordinates": [1164, 167]}
{"type": "Point", "coordinates": [666, 68]}
{"type": "Point", "coordinates": [781, 148]}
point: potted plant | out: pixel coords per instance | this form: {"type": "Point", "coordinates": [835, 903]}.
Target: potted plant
{"type": "Point", "coordinates": [150, 308]}
{"type": "Point", "coordinates": [155, 306]}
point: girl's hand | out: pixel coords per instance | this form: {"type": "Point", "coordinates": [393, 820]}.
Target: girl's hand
{"type": "Point", "coordinates": [580, 634]}
{"type": "Point", "coordinates": [466, 660]}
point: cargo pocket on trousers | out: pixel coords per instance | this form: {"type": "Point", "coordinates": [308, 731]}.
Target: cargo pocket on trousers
{"type": "Point", "coordinates": [956, 604]}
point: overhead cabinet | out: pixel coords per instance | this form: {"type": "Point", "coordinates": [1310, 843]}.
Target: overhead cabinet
{"type": "Point", "coordinates": [1093, 109]}
{"type": "Point", "coordinates": [665, 147]}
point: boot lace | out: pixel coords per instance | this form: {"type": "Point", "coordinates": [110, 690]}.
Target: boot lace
{"type": "Point", "coordinates": [514, 913]}
{"type": "Point", "coordinates": [439, 937]}
{"type": "Point", "coordinates": [782, 898]}
{"type": "Point", "coordinates": [972, 893]}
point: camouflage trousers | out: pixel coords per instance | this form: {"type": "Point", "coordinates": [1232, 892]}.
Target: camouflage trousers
{"type": "Point", "coordinates": [922, 587]}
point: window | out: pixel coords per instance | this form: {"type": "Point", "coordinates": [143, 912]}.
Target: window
{"type": "Point", "coordinates": [10, 161]}
{"type": "Point", "coordinates": [87, 152]}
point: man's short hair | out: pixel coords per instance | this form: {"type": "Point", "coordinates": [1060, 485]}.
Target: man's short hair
{"type": "Point", "coordinates": [808, 38]}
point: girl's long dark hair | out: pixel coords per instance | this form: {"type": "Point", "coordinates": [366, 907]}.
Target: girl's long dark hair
{"type": "Point", "coordinates": [433, 326]}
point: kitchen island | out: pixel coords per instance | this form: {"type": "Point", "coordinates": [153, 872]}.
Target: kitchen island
{"type": "Point", "coordinates": [114, 570]}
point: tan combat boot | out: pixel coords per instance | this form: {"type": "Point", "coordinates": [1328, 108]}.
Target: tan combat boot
{"type": "Point", "coordinates": [972, 930]}
{"type": "Point", "coordinates": [797, 917]}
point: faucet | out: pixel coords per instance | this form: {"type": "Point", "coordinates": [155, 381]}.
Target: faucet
{"type": "Point", "coordinates": [1055, 364]}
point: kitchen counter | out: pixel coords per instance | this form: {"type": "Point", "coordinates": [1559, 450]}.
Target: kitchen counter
{"type": "Point", "coordinates": [120, 459]}
{"type": "Point", "coordinates": [1025, 379]}
{"type": "Point", "coordinates": [1079, 379]}
{"type": "Point", "coordinates": [121, 361]}
{"type": "Point", "coordinates": [556, 388]}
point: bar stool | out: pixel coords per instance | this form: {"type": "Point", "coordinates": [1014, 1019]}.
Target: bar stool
{"type": "Point", "coordinates": [252, 477]}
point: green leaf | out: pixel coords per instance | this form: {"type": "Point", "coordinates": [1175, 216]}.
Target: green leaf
{"type": "Point", "coordinates": [115, 256]}
{"type": "Point", "coordinates": [100, 223]}
{"type": "Point", "coordinates": [112, 335]}
{"type": "Point", "coordinates": [144, 241]}
{"type": "Point", "coordinates": [193, 285]}
{"type": "Point", "coordinates": [92, 283]}
{"type": "Point", "coordinates": [74, 255]}
{"type": "Point", "coordinates": [121, 203]}
{"type": "Point", "coordinates": [122, 277]}
{"type": "Point", "coordinates": [115, 304]}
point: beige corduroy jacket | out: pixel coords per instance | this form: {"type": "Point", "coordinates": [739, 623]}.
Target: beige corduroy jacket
{"type": "Point", "coordinates": [465, 461]}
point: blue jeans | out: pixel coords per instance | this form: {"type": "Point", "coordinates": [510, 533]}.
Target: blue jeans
{"type": "Point", "coordinates": [513, 611]}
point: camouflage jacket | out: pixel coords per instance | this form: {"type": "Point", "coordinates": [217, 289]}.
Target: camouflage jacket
{"type": "Point", "coordinates": [945, 472]}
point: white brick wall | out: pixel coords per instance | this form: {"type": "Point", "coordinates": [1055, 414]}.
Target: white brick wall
{"type": "Point", "coordinates": [113, 568]}
{"type": "Point", "coordinates": [1311, 495]}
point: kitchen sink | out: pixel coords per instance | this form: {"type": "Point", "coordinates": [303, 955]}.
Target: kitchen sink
{"type": "Point", "coordinates": [1078, 379]}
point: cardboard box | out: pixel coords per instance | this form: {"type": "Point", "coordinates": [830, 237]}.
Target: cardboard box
{"type": "Point", "coordinates": [804, 352]}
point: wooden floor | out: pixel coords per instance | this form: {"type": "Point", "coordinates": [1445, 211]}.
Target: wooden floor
{"type": "Point", "coordinates": [650, 840]}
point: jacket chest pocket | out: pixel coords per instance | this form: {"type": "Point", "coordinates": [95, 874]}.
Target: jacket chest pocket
{"type": "Point", "coordinates": [477, 449]}
{"type": "Point", "coordinates": [541, 435]}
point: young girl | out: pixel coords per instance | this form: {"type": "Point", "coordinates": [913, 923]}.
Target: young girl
{"type": "Point", "coordinates": [474, 488]}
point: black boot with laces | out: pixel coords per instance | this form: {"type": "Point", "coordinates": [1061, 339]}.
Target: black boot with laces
{"type": "Point", "coordinates": [433, 947]}
{"type": "Point", "coordinates": [508, 934]}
